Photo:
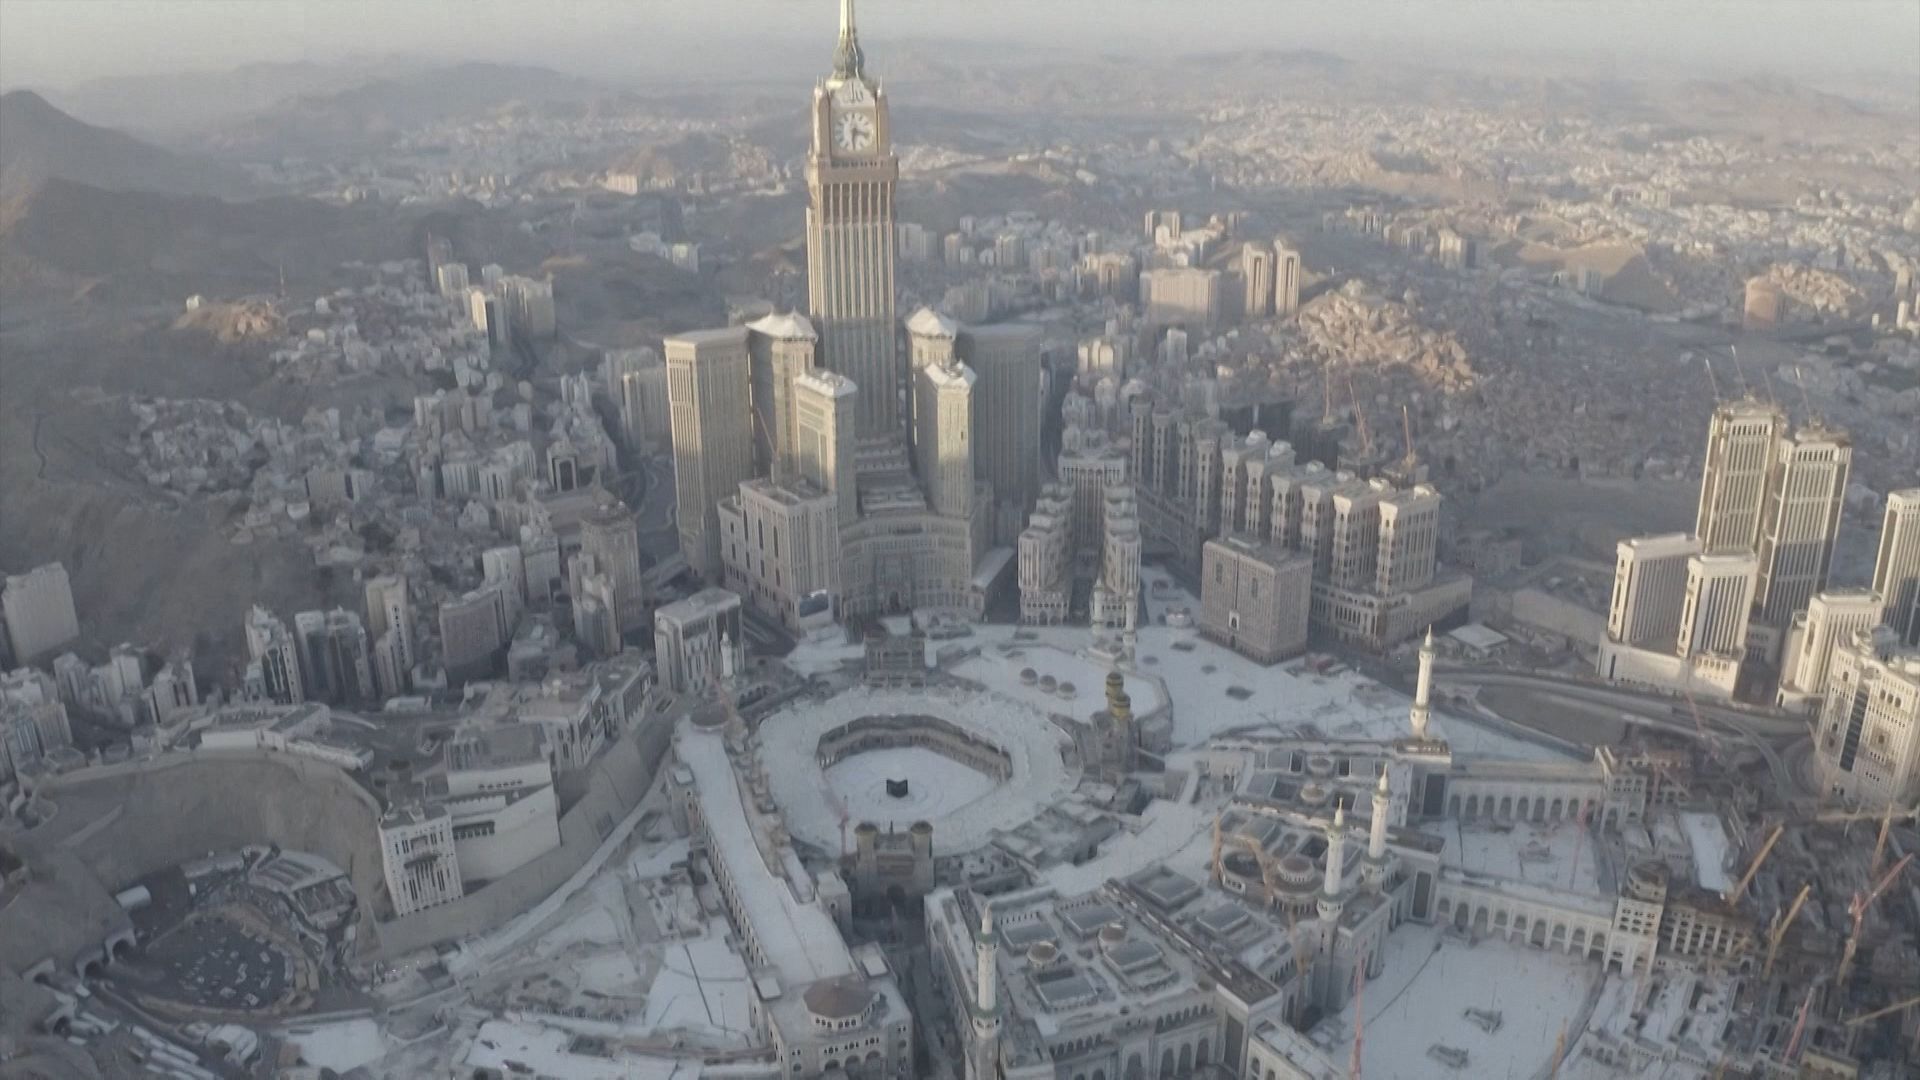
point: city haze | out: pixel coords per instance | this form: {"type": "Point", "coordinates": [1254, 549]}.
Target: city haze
{"type": "Point", "coordinates": [939, 541]}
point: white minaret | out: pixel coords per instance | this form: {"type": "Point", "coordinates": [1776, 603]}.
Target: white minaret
{"type": "Point", "coordinates": [1332, 895]}
{"type": "Point", "coordinates": [1423, 690]}
{"type": "Point", "coordinates": [983, 1062]}
{"type": "Point", "coordinates": [1376, 864]}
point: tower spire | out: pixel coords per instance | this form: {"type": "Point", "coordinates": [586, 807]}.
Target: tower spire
{"type": "Point", "coordinates": [847, 59]}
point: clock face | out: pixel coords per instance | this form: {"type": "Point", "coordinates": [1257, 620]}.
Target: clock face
{"type": "Point", "coordinates": [853, 132]}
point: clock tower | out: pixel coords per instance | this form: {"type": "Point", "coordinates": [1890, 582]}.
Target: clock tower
{"type": "Point", "coordinates": [851, 172]}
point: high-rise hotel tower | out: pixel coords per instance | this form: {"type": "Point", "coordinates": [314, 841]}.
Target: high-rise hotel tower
{"type": "Point", "coordinates": [851, 172]}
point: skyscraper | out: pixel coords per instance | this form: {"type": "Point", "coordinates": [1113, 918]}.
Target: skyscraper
{"type": "Point", "coordinates": [1719, 599]}
{"type": "Point", "coordinates": [1286, 281]}
{"type": "Point", "coordinates": [390, 628]}
{"type": "Point", "coordinates": [851, 173]}
{"type": "Point", "coordinates": [611, 537]}
{"type": "Point", "coordinates": [1742, 440]}
{"type": "Point", "coordinates": [1649, 589]}
{"type": "Point", "coordinates": [277, 656]}
{"type": "Point", "coordinates": [943, 436]}
{"type": "Point", "coordinates": [781, 348]}
{"type": "Point", "coordinates": [1007, 397]}
{"type": "Point", "coordinates": [707, 391]}
{"type": "Point", "coordinates": [1805, 494]}
{"type": "Point", "coordinates": [824, 422]}
{"type": "Point", "coordinates": [1256, 267]}
{"type": "Point", "coordinates": [1896, 572]}
{"type": "Point", "coordinates": [37, 607]}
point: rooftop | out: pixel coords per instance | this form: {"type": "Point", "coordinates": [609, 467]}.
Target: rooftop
{"type": "Point", "coordinates": [929, 323]}
{"type": "Point", "coordinates": [703, 604]}
{"type": "Point", "coordinates": [791, 326]}
{"type": "Point", "coordinates": [798, 937]}
{"type": "Point", "coordinates": [511, 744]}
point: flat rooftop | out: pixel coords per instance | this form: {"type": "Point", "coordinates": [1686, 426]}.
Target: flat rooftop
{"type": "Point", "coordinates": [799, 939]}
{"type": "Point", "coordinates": [492, 748]}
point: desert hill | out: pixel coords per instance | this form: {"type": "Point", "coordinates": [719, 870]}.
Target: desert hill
{"type": "Point", "coordinates": [39, 143]}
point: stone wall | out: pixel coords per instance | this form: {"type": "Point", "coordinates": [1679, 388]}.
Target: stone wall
{"type": "Point", "coordinates": [615, 783]}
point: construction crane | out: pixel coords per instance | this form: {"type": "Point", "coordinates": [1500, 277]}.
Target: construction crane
{"type": "Point", "coordinates": [1888, 1011]}
{"type": "Point", "coordinates": [1707, 738]}
{"type": "Point", "coordinates": [1779, 930]}
{"type": "Point", "coordinates": [1360, 419]}
{"type": "Point", "coordinates": [1406, 427]}
{"type": "Point", "coordinates": [1861, 904]}
{"type": "Point", "coordinates": [1799, 1026]}
{"type": "Point", "coordinates": [1746, 879]}
{"type": "Point", "coordinates": [1836, 817]}
{"type": "Point", "coordinates": [1559, 1052]}
{"type": "Point", "coordinates": [1800, 378]}
{"type": "Point", "coordinates": [1880, 844]}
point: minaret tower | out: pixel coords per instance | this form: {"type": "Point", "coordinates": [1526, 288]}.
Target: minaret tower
{"type": "Point", "coordinates": [1333, 896]}
{"type": "Point", "coordinates": [1375, 867]}
{"type": "Point", "coordinates": [1423, 690]}
{"type": "Point", "coordinates": [983, 1062]}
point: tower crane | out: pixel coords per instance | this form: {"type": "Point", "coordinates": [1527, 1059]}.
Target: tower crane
{"type": "Point", "coordinates": [1861, 903]}
{"type": "Point", "coordinates": [1746, 879]}
{"type": "Point", "coordinates": [1880, 844]}
{"type": "Point", "coordinates": [1779, 930]}
{"type": "Point", "coordinates": [1888, 1011]}
{"type": "Point", "coordinates": [1799, 1026]}
{"type": "Point", "coordinates": [1360, 419]}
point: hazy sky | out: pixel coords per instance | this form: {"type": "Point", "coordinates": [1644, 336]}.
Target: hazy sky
{"type": "Point", "coordinates": [59, 42]}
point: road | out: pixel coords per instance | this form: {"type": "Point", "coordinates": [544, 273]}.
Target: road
{"type": "Point", "coordinates": [1772, 736]}
{"type": "Point", "coordinates": [1663, 710]}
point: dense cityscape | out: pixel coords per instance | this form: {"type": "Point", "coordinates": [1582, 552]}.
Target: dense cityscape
{"type": "Point", "coordinates": [1099, 575]}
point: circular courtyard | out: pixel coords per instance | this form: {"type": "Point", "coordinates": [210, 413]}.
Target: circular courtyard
{"type": "Point", "coordinates": [970, 763]}
{"type": "Point", "coordinates": [935, 785]}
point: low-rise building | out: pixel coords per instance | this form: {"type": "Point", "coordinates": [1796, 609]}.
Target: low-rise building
{"type": "Point", "coordinates": [1256, 598]}
{"type": "Point", "coordinates": [417, 856]}
{"type": "Point", "coordinates": [698, 641]}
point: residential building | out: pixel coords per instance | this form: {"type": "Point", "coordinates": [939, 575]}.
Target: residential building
{"type": "Point", "coordinates": [37, 609]}
{"type": "Point", "coordinates": [1896, 571]}
{"type": "Point", "coordinates": [1046, 559]}
{"type": "Point", "coordinates": [275, 655]}
{"type": "Point", "coordinates": [1830, 619]}
{"type": "Point", "coordinates": [611, 537]}
{"type": "Point", "coordinates": [1867, 739]}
